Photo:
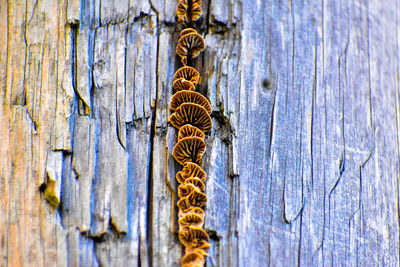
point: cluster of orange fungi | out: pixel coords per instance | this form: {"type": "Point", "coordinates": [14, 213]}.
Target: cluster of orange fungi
{"type": "Point", "coordinates": [191, 116]}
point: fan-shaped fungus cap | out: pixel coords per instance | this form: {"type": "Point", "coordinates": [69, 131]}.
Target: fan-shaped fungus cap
{"type": "Point", "coordinates": [182, 10]}
{"type": "Point", "coordinates": [189, 149]}
{"type": "Point", "coordinates": [186, 96]}
{"type": "Point", "coordinates": [182, 84]}
{"type": "Point", "coordinates": [190, 131]}
{"type": "Point", "coordinates": [194, 258]}
{"type": "Point", "coordinates": [189, 113]}
{"type": "Point", "coordinates": [191, 210]}
{"type": "Point", "coordinates": [197, 244]}
{"type": "Point", "coordinates": [196, 182]}
{"type": "Point", "coordinates": [184, 205]}
{"type": "Point", "coordinates": [191, 169]}
{"type": "Point", "coordinates": [191, 220]}
{"type": "Point", "coordinates": [197, 199]}
{"type": "Point", "coordinates": [190, 234]}
{"type": "Point", "coordinates": [185, 189]}
{"type": "Point", "coordinates": [188, 73]}
{"type": "Point", "coordinates": [190, 44]}
{"type": "Point", "coordinates": [187, 31]}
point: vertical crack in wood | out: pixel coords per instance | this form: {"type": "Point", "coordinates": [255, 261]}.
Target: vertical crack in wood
{"type": "Point", "coordinates": [150, 193]}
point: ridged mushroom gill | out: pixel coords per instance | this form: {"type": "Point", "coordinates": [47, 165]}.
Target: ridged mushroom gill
{"type": "Point", "coordinates": [183, 84]}
{"type": "Point", "coordinates": [188, 73]}
{"type": "Point", "coordinates": [186, 96]}
{"type": "Point", "coordinates": [190, 131]}
{"type": "Point", "coordinates": [189, 113]}
{"type": "Point", "coordinates": [191, 117]}
{"type": "Point", "coordinates": [188, 10]}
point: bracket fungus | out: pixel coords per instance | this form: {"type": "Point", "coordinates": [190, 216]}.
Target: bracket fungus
{"type": "Point", "coordinates": [182, 84]}
{"type": "Point", "coordinates": [189, 113]}
{"type": "Point", "coordinates": [190, 131]}
{"type": "Point", "coordinates": [188, 73]}
{"type": "Point", "coordinates": [191, 220]}
{"type": "Point", "coordinates": [196, 182]}
{"type": "Point", "coordinates": [191, 116]}
{"type": "Point", "coordinates": [188, 10]}
{"type": "Point", "coordinates": [191, 234]}
{"type": "Point", "coordinates": [194, 258]}
{"type": "Point", "coordinates": [187, 31]}
{"type": "Point", "coordinates": [186, 96]}
{"type": "Point", "coordinates": [190, 169]}
{"type": "Point", "coordinates": [190, 44]}
{"type": "Point", "coordinates": [189, 149]}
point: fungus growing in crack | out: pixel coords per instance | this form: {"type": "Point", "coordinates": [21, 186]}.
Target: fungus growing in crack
{"type": "Point", "coordinates": [187, 31]}
{"type": "Point", "coordinates": [190, 169]}
{"type": "Point", "coordinates": [188, 10]}
{"type": "Point", "coordinates": [188, 73]}
{"type": "Point", "coordinates": [186, 96]}
{"type": "Point", "coordinates": [190, 45]}
{"type": "Point", "coordinates": [191, 210]}
{"type": "Point", "coordinates": [189, 149]}
{"type": "Point", "coordinates": [192, 219]}
{"type": "Point", "coordinates": [189, 113]}
{"type": "Point", "coordinates": [194, 258]}
{"type": "Point", "coordinates": [197, 244]}
{"type": "Point", "coordinates": [196, 182]}
{"type": "Point", "coordinates": [192, 234]}
{"type": "Point", "coordinates": [190, 131]}
{"type": "Point", "coordinates": [197, 198]}
{"type": "Point", "coordinates": [186, 189]}
{"type": "Point", "coordinates": [182, 84]}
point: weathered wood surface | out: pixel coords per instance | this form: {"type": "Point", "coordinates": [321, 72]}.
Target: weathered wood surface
{"type": "Point", "coordinates": [302, 161]}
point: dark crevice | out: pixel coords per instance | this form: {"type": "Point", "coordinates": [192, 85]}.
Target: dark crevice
{"type": "Point", "coordinates": [83, 107]}
{"type": "Point", "coordinates": [149, 215]}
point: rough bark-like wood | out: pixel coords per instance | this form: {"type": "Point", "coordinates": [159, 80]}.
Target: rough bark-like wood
{"type": "Point", "coordinates": [302, 161]}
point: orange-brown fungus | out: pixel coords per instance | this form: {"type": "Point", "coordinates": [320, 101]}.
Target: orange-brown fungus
{"type": "Point", "coordinates": [196, 182]}
{"type": "Point", "coordinates": [192, 234]}
{"type": "Point", "coordinates": [194, 258]}
{"type": "Point", "coordinates": [182, 84]}
{"type": "Point", "coordinates": [190, 169]}
{"type": "Point", "coordinates": [197, 198]}
{"type": "Point", "coordinates": [191, 220]}
{"type": "Point", "coordinates": [186, 189]}
{"type": "Point", "coordinates": [189, 149]}
{"type": "Point", "coordinates": [186, 96]}
{"type": "Point", "coordinates": [188, 73]}
{"type": "Point", "coordinates": [189, 113]}
{"type": "Point", "coordinates": [182, 10]}
{"type": "Point", "coordinates": [191, 210]}
{"type": "Point", "coordinates": [190, 44]}
{"type": "Point", "coordinates": [189, 131]}
{"type": "Point", "coordinates": [187, 31]}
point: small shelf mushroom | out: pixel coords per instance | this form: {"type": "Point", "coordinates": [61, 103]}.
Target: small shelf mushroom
{"type": "Point", "coordinates": [190, 131]}
{"type": "Point", "coordinates": [188, 73]}
{"type": "Point", "coordinates": [194, 258]}
{"type": "Point", "coordinates": [190, 44]}
{"type": "Point", "coordinates": [189, 149]}
{"type": "Point", "coordinates": [182, 84]}
{"type": "Point", "coordinates": [189, 113]}
{"type": "Point", "coordinates": [195, 182]}
{"type": "Point", "coordinates": [190, 234]}
{"type": "Point", "coordinates": [187, 31]}
{"type": "Point", "coordinates": [192, 219]}
{"type": "Point", "coordinates": [190, 169]}
{"type": "Point", "coordinates": [186, 96]}
{"type": "Point", "coordinates": [188, 10]}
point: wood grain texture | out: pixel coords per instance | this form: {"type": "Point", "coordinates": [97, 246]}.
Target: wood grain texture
{"type": "Point", "coordinates": [302, 161]}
